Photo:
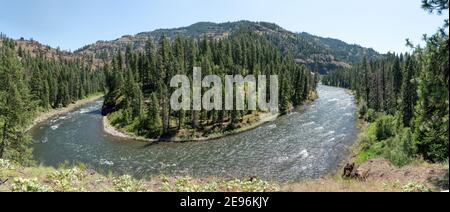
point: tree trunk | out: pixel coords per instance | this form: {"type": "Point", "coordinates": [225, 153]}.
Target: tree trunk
{"type": "Point", "coordinates": [3, 141]}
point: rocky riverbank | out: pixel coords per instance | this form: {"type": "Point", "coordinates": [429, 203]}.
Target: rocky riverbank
{"type": "Point", "coordinates": [46, 115]}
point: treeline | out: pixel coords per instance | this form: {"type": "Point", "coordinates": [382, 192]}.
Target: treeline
{"type": "Point", "coordinates": [139, 81]}
{"type": "Point", "coordinates": [406, 98]}
{"type": "Point", "coordinates": [379, 83]}
{"type": "Point", "coordinates": [30, 84]}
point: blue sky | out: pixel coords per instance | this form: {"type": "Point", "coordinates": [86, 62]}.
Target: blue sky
{"type": "Point", "coordinates": [382, 24]}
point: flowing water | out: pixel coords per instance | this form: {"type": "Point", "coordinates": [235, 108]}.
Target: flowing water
{"type": "Point", "coordinates": [308, 143]}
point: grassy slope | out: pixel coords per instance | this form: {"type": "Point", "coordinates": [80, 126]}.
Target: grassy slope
{"type": "Point", "coordinates": [82, 179]}
{"type": "Point", "coordinates": [381, 177]}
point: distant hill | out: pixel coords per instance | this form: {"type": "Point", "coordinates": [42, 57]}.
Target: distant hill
{"type": "Point", "coordinates": [350, 53]}
{"type": "Point", "coordinates": [320, 54]}
{"type": "Point", "coordinates": [36, 49]}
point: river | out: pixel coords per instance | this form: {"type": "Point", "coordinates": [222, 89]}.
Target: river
{"type": "Point", "coordinates": [308, 143]}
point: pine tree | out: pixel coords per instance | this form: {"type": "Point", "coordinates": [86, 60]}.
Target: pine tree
{"type": "Point", "coordinates": [154, 122]}
{"type": "Point", "coordinates": [285, 96]}
{"type": "Point", "coordinates": [398, 78]}
{"type": "Point", "coordinates": [408, 93]}
{"type": "Point", "coordinates": [14, 107]}
{"type": "Point", "coordinates": [34, 82]}
{"type": "Point", "coordinates": [432, 122]}
{"type": "Point", "coordinates": [421, 90]}
{"type": "Point", "coordinates": [241, 53]}
{"type": "Point", "coordinates": [366, 72]}
{"type": "Point", "coordinates": [435, 5]}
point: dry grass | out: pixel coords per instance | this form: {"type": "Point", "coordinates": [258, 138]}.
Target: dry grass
{"type": "Point", "coordinates": [341, 185]}
{"type": "Point", "coordinates": [381, 176]}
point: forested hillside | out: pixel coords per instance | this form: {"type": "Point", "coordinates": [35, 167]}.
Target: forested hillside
{"type": "Point", "coordinates": [406, 98]}
{"type": "Point", "coordinates": [349, 53]}
{"type": "Point", "coordinates": [35, 82]}
{"type": "Point", "coordinates": [139, 82]}
{"type": "Point", "coordinates": [319, 54]}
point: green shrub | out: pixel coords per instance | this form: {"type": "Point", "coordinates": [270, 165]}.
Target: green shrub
{"type": "Point", "coordinates": [384, 128]}
{"type": "Point", "coordinates": [6, 165]}
{"type": "Point", "coordinates": [370, 115]}
{"type": "Point", "coordinates": [362, 108]}
{"type": "Point", "coordinates": [415, 187]}
{"type": "Point", "coordinates": [400, 150]}
{"type": "Point", "coordinates": [255, 185]}
{"type": "Point", "coordinates": [21, 153]}
{"type": "Point", "coordinates": [67, 180]}
{"type": "Point", "coordinates": [115, 118]}
{"type": "Point", "coordinates": [384, 138]}
{"type": "Point", "coordinates": [431, 137]}
{"type": "Point", "coordinates": [127, 184]}
{"type": "Point", "coordinates": [187, 184]}
{"type": "Point", "coordinates": [120, 118]}
{"type": "Point", "coordinates": [184, 184]}
{"type": "Point", "coordinates": [28, 185]}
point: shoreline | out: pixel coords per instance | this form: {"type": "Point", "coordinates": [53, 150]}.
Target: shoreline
{"type": "Point", "coordinates": [110, 130]}
{"type": "Point", "coordinates": [264, 118]}
{"type": "Point", "coordinates": [44, 116]}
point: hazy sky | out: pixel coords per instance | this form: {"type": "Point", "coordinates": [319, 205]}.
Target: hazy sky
{"type": "Point", "coordinates": [381, 24]}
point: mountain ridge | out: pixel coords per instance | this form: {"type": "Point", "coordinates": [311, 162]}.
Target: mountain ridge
{"type": "Point", "coordinates": [318, 53]}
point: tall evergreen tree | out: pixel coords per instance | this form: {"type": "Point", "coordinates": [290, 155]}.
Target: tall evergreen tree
{"type": "Point", "coordinates": [14, 107]}
{"type": "Point", "coordinates": [154, 122]}
{"type": "Point", "coordinates": [408, 94]}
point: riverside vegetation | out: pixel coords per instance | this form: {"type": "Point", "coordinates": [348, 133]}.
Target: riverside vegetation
{"type": "Point", "coordinates": [404, 99]}
{"type": "Point", "coordinates": [33, 83]}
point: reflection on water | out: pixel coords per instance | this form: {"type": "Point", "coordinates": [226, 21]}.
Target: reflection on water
{"type": "Point", "coordinates": [305, 144]}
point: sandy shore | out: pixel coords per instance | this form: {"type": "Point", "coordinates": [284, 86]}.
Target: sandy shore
{"type": "Point", "coordinates": [44, 116]}
{"type": "Point", "coordinates": [264, 118]}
